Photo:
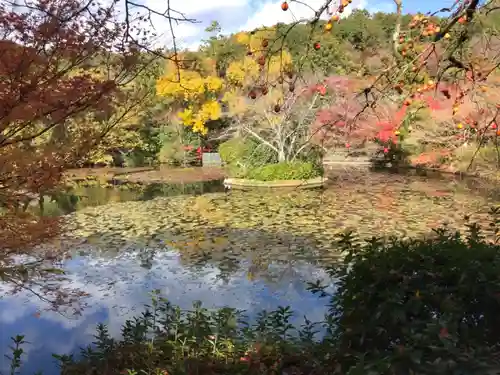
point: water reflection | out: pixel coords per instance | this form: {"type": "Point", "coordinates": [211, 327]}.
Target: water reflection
{"type": "Point", "coordinates": [118, 288]}
{"type": "Point", "coordinates": [80, 197]}
{"type": "Point", "coordinates": [251, 251]}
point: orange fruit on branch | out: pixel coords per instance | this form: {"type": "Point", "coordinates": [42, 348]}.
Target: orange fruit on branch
{"type": "Point", "coordinates": [284, 6]}
{"type": "Point", "coordinates": [328, 26]}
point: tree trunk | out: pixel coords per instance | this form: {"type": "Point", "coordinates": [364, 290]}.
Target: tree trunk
{"type": "Point", "coordinates": [281, 156]}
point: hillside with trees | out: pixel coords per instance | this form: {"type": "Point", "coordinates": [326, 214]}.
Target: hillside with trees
{"type": "Point", "coordinates": [346, 85]}
{"type": "Point", "coordinates": [198, 99]}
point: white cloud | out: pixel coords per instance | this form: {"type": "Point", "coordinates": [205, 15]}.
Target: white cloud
{"type": "Point", "coordinates": [271, 13]}
{"type": "Point", "coordinates": [233, 15]}
{"type": "Point", "coordinates": [187, 32]}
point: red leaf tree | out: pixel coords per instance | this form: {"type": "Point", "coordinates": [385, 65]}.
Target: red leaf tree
{"type": "Point", "coordinates": [61, 61]}
{"type": "Point", "coordinates": [346, 121]}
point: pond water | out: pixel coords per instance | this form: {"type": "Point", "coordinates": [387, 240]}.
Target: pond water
{"type": "Point", "coordinates": [249, 250]}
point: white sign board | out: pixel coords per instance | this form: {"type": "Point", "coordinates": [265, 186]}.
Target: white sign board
{"type": "Point", "coordinates": [211, 159]}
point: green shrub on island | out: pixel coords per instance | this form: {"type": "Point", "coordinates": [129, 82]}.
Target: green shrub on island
{"type": "Point", "coordinates": [297, 170]}
{"type": "Point", "coordinates": [399, 306]}
{"type": "Point", "coordinates": [246, 158]}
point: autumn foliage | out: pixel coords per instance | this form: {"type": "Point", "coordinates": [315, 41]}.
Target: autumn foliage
{"type": "Point", "coordinates": [200, 91]}
{"type": "Point", "coordinates": [61, 62]}
{"type": "Point", "coordinates": [68, 84]}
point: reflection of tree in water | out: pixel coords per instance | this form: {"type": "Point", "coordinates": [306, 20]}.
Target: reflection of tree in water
{"type": "Point", "coordinates": [146, 257]}
{"type": "Point", "coordinates": [71, 199]}
{"type": "Point", "coordinates": [262, 255]}
{"type": "Point", "coordinates": [42, 278]}
{"type": "Point", "coordinates": [151, 191]}
{"type": "Point", "coordinates": [224, 230]}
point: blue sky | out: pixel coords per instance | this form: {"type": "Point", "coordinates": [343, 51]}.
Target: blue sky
{"type": "Point", "coordinates": [236, 15]}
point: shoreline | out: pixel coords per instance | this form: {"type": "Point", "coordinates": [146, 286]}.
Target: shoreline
{"type": "Point", "coordinates": [148, 175]}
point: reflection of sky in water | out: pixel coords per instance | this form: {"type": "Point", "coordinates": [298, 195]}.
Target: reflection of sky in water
{"type": "Point", "coordinates": [119, 287]}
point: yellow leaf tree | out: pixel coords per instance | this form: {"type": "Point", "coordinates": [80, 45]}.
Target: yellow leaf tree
{"type": "Point", "coordinates": [193, 88]}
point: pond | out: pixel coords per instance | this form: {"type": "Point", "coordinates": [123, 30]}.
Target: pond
{"type": "Point", "coordinates": [249, 250]}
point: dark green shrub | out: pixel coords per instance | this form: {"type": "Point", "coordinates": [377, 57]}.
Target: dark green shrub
{"type": "Point", "coordinates": [284, 171]}
{"type": "Point", "coordinates": [200, 341]}
{"type": "Point", "coordinates": [426, 306]}
{"type": "Point", "coordinates": [314, 155]}
{"type": "Point", "coordinates": [174, 143]}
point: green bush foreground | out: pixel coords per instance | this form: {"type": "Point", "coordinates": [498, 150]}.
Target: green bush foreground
{"type": "Point", "coordinates": [417, 306]}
